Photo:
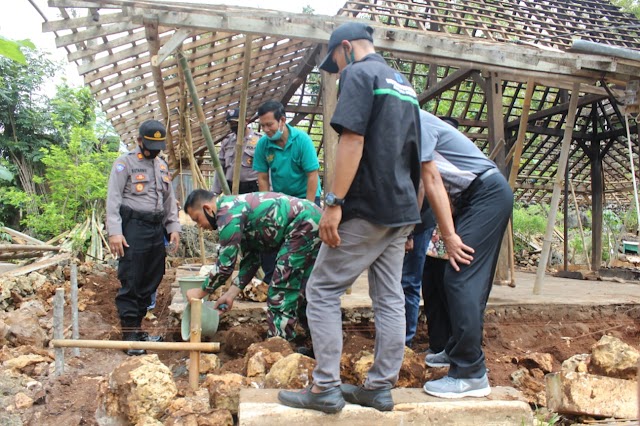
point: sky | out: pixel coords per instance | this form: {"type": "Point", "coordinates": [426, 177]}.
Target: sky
{"type": "Point", "coordinates": [23, 21]}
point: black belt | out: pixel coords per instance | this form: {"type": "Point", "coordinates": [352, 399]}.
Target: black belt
{"type": "Point", "coordinates": [150, 217]}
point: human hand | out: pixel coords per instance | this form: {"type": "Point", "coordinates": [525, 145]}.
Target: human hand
{"type": "Point", "coordinates": [458, 252]}
{"type": "Point", "coordinates": [196, 293]}
{"type": "Point", "coordinates": [174, 242]}
{"type": "Point", "coordinates": [225, 302]}
{"type": "Point", "coordinates": [117, 243]}
{"type": "Point", "coordinates": [408, 245]}
{"type": "Point", "coordinates": [329, 226]}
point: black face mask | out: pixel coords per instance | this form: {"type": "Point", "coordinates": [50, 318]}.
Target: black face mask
{"type": "Point", "coordinates": [153, 153]}
{"type": "Point", "coordinates": [234, 129]}
{"type": "Point", "coordinates": [210, 219]}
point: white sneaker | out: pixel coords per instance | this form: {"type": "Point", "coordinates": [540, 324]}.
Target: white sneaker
{"type": "Point", "coordinates": [448, 387]}
{"type": "Point", "coordinates": [441, 359]}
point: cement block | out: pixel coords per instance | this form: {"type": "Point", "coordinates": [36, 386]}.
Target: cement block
{"type": "Point", "coordinates": [587, 394]}
{"type": "Point", "coordinates": [260, 407]}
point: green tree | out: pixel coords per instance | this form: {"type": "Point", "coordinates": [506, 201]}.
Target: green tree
{"type": "Point", "coordinates": [24, 117]}
{"type": "Point", "coordinates": [12, 49]}
{"type": "Point", "coordinates": [629, 6]}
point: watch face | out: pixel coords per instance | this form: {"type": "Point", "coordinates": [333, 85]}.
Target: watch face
{"type": "Point", "coordinates": [330, 199]}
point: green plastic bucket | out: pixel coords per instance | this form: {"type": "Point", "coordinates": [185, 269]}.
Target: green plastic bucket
{"type": "Point", "coordinates": [187, 283]}
{"type": "Point", "coordinates": [210, 321]}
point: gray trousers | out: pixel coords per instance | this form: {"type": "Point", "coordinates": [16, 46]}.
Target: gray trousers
{"type": "Point", "coordinates": [363, 245]}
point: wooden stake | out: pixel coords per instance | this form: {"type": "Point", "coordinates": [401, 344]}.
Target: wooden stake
{"type": "Point", "coordinates": [58, 329]}
{"type": "Point", "coordinates": [243, 114]}
{"type": "Point", "coordinates": [75, 334]}
{"type": "Point", "coordinates": [150, 346]}
{"type": "Point", "coordinates": [194, 356]}
{"type": "Point", "coordinates": [557, 187]}
{"type": "Point", "coordinates": [584, 245]}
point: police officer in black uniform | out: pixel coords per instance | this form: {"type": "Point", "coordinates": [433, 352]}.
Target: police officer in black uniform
{"type": "Point", "coordinates": [140, 206]}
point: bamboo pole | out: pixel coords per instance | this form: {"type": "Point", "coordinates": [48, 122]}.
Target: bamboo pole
{"type": "Point", "coordinates": [242, 122]}
{"type": "Point", "coordinates": [58, 329]}
{"type": "Point", "coordinates": [75, 333]}
{"type": "Point", "coordinates": [203, 122]}
{"type": "Point", "coordinates": [557, 186]}
{"type": "Point", "coordinates": [122, 345]}
{"type": "Point", "coordinates": [584, 245]}
{"type": "Point", "coordinates": [196, 330]}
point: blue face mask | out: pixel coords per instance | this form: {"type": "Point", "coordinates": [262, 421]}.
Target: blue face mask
{"type": "Point", "coordinates": [276, 136]}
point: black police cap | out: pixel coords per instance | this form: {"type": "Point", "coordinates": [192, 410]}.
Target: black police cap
{"type": "Point", "coordinates": [153, 135]}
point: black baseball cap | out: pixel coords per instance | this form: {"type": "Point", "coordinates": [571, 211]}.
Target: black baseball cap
{"type": "Point", "coordinates": [153, 135]}
{"type": "Point", "coordinates": [349, 31]}
{"type": "Point", "coordinates": [233, 114]}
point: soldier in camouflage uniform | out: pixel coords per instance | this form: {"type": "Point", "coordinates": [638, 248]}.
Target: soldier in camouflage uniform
{"type": "Point", "coordinates": [250, 224]}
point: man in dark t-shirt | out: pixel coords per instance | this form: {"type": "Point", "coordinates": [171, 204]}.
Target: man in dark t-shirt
{"type": "Point", "coordinates": [368, 215]}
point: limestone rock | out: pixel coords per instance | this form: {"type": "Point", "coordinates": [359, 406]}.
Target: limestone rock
{"type": "Point", "coordinates": [587, 394]}
{"type": "Point", "coordinates": [413, 372]}
{"type": "Point", "coordinates": [148, 421]}
{"type": "Point", "coordinates": [256, 291]}
{"type": "Point", "coordinates": [24, 327]}
{"type": "Point", "coordinates": [22, 401]}
{"type": "Point", "coordinates": [21, 362]}
{"type": "Point", "coordinates": [361, 367]}
{"type": "Point", "coordinates": [576, 364]}
{"type": "Point", "coordinates": [291, 372]}
{"type": "Point", "coordinates": [209, 363]}
{"type": "Point", "coordinates": [224, 390]}
{"type": "Point", "coordinates": [139, 387]}
{"type": "Point", "coordinates": [532, 386]}
{"type": "Point", "coordinates": [216, 418]}
{"type": "Point", "coordinates": [612, 357]}
{"type": "Point", "coordinates": [198, 403]}
{"type": "Point", "coordinates": [543, 361]}
{"type": "Point", "coordinates": [261, 356]}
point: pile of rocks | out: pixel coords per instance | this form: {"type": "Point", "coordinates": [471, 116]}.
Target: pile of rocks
{"type": "Point", "coordinates": [142, 391]}
{"type": "Point", "coordinates": [602, 383]}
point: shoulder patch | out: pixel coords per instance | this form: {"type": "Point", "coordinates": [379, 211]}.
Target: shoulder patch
{"type": "Point", "coordinates": [140, 156]}
{"type": "Point", "coordinates": [166, 178]}
{"type": "Point", "coordinates": [163, 167]}
{"type": "Point", "coordinates": [120, 167]}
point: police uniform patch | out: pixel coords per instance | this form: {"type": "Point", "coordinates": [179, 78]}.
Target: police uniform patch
{"type": "Point", "coordinates": [166, 178]}
{"type": "Point", "coordinates": [140, 177]}
{"type": "Point", "coordinates": [249, 161]}
{"type": "Point", "coordinates": [163, 167]}
{"type": "Point", "coordinates": [139, 187]}
{"type": "Point", "coordinates": [270, 158]}
{"type": "Point", "coordinates": [120, 167]}
{"type": "Point", "coordinates": [140, 156]}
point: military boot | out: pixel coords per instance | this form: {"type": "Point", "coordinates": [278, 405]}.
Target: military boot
{"type": "Point", "coordinates": [130, 332]}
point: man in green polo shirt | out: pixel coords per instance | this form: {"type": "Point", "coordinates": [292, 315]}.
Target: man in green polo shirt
{"type": "Point", "coordinates": [285, 158]}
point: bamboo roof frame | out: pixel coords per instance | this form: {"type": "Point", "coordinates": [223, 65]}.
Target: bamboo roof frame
{"type": "Point", "coordinates": [454, 54]}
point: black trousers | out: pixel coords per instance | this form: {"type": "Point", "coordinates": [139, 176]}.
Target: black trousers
{"type": "Point", "coordinates": [435, 306]}
{"type": "Point", "coordinates": [141, 269]}
{"type": "Point", "coordinates": [482, 214]}
{"type": "Point", "coordinates": [245, 187]}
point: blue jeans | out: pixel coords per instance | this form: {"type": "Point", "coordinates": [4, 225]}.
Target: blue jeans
{"type": "Point", "coordinates": [412, 281]}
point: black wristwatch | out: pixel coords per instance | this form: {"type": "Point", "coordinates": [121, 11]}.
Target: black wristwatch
{"type": "Point", "coordinates": [331, 200]}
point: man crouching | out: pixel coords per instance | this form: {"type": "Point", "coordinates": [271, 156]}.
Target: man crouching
{"type": "Point", "coordinates": [254, 223]}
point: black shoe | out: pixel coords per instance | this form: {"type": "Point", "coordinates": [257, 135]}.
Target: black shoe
{"type": "Point", "coordinates": [380, 399]}
{"type": "Point", "coordinates": [143, 336]}
{"type": "Point", "coordinates": [302, 350]}
{"type": "Point", "coordinates": [132, 336]}
{"type": "Point", "coordinates": [328, 401]}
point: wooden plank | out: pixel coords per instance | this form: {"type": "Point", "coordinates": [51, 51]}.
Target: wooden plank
{"type": "Point", "coordinates": [522, 130]}
{"type": "Point", "coordinates": [246, 72]}
{"type": "Point", "coordinates": [329, 135]}
{"type": "Point", "coordinates": [444, 85]}
{"type": "Point", "coordinates": [36, 266]}
{"type": "Point", "coordinates": [558, 109]}
{"type": "Point", "coordinates": [20, 235]}
{"type": "Point", "coordinates": [27, 247]}
{"type": "Point", "coordinates": [170, 46]}
{"type": "Point", "coordinates": [84, 22]}
{"type": "Point", "coordinates": [92, 33]}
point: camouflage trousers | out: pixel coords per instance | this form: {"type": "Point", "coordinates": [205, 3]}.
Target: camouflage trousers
{"type": "Point", "coordinates": [286, 302]}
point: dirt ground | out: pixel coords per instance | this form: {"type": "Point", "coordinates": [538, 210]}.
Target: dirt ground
{"type": "Point", "coordinates": [510, 333]}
